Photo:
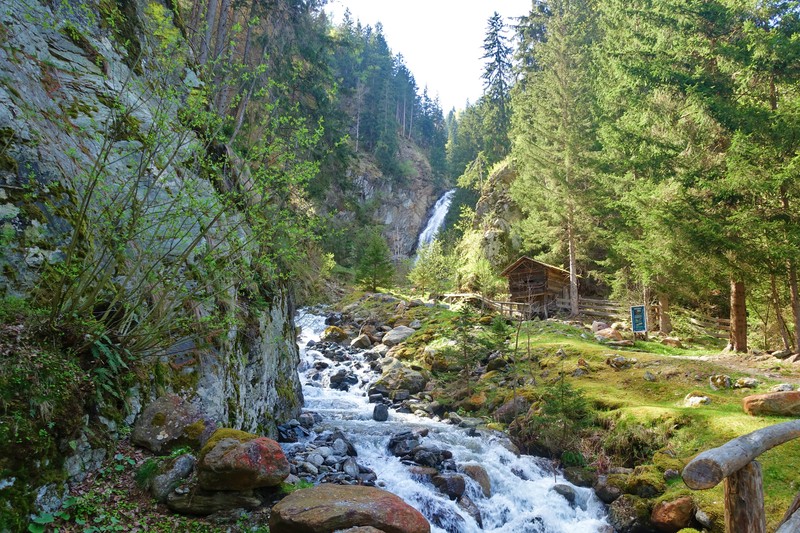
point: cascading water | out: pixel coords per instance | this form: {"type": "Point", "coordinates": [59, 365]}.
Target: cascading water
{"type": "Point", "coordinates": [436, 219]}
{"type": "Point", "coordinates": [522, 499]}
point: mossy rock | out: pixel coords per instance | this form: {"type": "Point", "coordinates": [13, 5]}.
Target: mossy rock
{"type": "Point", "coordinates": [582, 477]}
{"type": "Point", "coordinates": [334, 334]}
{"type": "Point", "coordinates": [646, 482]}
{"type": "Point", "coordinates": [474, 402]}
{"type": "Point", "coordinates": [630, 513]}
{"type": "Point", "coordinates": [665, 460]}
{"type": "Point", "coordinates": [171, 421]}
{"type": "Point", "coordinates": [224, 433]}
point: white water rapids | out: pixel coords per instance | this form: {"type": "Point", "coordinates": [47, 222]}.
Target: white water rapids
{"type": "Point", "coordinates": [436, 219]}
{"type": "Point", "coordinates": [522, 499]}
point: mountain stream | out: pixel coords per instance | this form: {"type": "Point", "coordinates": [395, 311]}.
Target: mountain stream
{"type": "Point", "coordinates": [522, 499]}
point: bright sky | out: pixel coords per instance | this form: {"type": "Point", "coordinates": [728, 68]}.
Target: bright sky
{"type": "Point", "coordinates": [441, 40]}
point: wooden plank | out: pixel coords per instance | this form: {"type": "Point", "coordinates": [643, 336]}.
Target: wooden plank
{"type": "Point", "coordinates": [744, 500]}
{"type": "Point", "coordinates": [712, 466]}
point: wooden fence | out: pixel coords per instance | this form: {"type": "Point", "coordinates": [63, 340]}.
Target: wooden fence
{"type": "Point", "coordinates": [735, 463]}
{"type": "Point", "coordinates": [592, 308]}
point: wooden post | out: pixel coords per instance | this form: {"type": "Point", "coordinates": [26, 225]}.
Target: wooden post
{"type": "Point", "coordinates": [744, 500]}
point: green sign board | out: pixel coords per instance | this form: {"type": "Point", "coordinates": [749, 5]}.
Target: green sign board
{"type": "Point", "coordinates": [638, 319]}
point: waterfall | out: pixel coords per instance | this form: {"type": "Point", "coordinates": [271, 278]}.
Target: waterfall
{"type": "Point", "coordinates": [437, 218]}
{"type": "Point", "coordinates": [522, 499]}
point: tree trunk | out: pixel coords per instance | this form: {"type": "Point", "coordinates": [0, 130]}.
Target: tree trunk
{"type": "Point", "coordinates": [573, 268]}
{"type": "Point", "coordinates": [776, 302]}
{"type": "Point", "coordinates": [211, 21]}
{"type": "Point", "coordinates": [222, 31]}
{"type": "Point", "coordinates": [744, 500]}
{"type": "Point", "coordinates": [738, 339]}
{"type": "Point", "coordinates": [795, 292]}
{"type": "Point", "coordinates": [664, 320]}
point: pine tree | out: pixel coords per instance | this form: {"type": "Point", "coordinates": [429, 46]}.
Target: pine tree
{"type": "Point", "coordinates": [375, 267]}
{"type": "Point", "coordinates": [554, 136]}
{"type": "Point", "coordinates": [497, 76]}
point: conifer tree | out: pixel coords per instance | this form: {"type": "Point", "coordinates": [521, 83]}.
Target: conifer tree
{"type": "Point", "coordinates": [497, 76]}
{"type": "Point", "coordinates": [375, 267]}
{"type": "Point", "coordinates": [554, 136]}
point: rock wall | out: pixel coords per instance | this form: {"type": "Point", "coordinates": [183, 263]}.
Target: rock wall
{"type": "Point", "coordinates": [402, 205]}
{"type": "Point", "coordinates": [64, 76]}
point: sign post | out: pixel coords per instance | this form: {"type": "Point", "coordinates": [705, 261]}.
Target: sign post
{"type": "Point", "coordinates": [639, 320]}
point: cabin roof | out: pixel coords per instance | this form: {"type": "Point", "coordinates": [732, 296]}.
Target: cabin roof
{"type": "Point", "coordinates": [513, 266]}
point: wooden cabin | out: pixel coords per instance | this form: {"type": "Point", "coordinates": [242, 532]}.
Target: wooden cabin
{"type": "Point", "coordinates": [538, 284]}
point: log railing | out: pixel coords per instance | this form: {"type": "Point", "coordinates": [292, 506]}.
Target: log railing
{"type": "Point", "coordinates": [734, 463]}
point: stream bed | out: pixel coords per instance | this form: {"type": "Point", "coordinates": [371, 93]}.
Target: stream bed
{"type": "Point", "coordinates": [521, 498]}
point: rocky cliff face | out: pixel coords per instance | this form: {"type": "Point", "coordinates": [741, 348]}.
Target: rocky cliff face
{"type": "Point", "coordinates": [77, 103]}
{"type": "Point", "coordinates": [402, 206]}
{"type": "Point", "coordinates": [495, 213]}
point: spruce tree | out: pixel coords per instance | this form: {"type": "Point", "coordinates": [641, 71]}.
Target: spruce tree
{"type": "Point", "coordinates": [375, 267]}
{"type": "Point", "coordinates": [497, 77]}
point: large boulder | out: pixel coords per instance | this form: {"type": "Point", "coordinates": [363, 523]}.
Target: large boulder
{"type": "Point", "coordinates": [327, 508]}
{"type": "Point", "coordinates": [397, 335]}
{"type": "Point", "coordinates": [399, 377]}
{"type": "Point", "coordinates": [171, 421]}
{"type": "Point", "coordinates": [236, 460]}
{"type": "Point", "coordinates": [773, 403]}
{"type": "Point", "coordinates": [481, 476]}
{"type": "Point", "coordinates": [672, 516]}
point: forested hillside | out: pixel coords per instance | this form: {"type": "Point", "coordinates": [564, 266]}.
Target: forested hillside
{"type": "Point", "coordinates": [655, 147]}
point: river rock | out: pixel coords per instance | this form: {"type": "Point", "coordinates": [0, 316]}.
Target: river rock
{"type": "Point", "coordinates": [235, 460]}
{"type": "Point", "coordinates": [178, 470]}
{"type": "Point", "coordinates": [599, 326]}
{"type": "Point", "coordinates": [469, 507]}
{"type": "Point", "coordinates": [333, 334]}
{"type": "Point", "coordinates": [397, 335]}
{"type": "Point", "coordinates": [671, 516]}
{"type": "Point", "coordinates": [582, 477]}
{"type": "Point", "coordinates": [362, 529]}
{"type": "Point", "coordinates": [451, 485]}
{"type": "Point", "coordinates": [782, 387]}
{"type": "Point", "coordinates": [399, 377]}
{"type": "Point", "coordinates": [610, 487]}
{"type": "Point", "coordinates": [168, 422]}
{"type": "Point", "coordinates": [403, 443]}
{"type": "Point", "coordinates": [481, 477]}
{"type": "Point", "coordinates": [567, 492]}
{"type": "Point", "coordinates": [361, 342]}
{"type": "Point", "coordinates": [327, 508]}
{"type": "Point", "coordinates": [432, 457]}
{"type": "Point", "coordinates": [629, 514]}
{"type": "Point", "coordinates": [719, 381]}
{"type": "Point", "coordinates": [200, 502]}
{"type": "Point", "coordinates": [380, 413]}
{"type": "Point", "coordinates": [773, 403]}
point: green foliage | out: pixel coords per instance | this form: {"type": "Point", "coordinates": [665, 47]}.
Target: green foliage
{"type": "Point", "coordinates": [634, 441]}
{"type": "Point", "coordinates": [375, 265]}
{"type": "Point", "coordinates": [146, 472]}
{"type": "Point", "coordinates": [555, 427]}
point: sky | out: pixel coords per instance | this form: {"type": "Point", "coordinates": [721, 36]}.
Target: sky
{"type": "Point", "coordinates": [441, 40]}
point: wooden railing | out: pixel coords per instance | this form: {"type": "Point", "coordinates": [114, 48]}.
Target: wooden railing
{"type": "Point", "coordinates": [734, 463]}
{"type": "Point", "coordinates": [510, 309]}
